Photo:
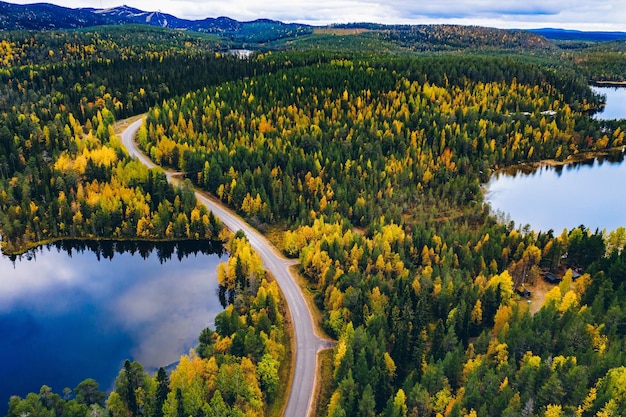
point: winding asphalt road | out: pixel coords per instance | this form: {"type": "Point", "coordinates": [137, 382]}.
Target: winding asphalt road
{"type": "Point", "coordinates": [307, 343]}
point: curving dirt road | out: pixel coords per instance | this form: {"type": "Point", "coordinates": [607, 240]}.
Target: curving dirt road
{"type": "Point", "coordinates": [307, 343]}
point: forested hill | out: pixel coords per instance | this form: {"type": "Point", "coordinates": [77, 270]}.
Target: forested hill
{"type": "Point", "coordinates": [453, 37]}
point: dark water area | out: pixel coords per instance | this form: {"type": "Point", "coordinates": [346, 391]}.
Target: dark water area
{"type": "Point", "coordinates": [590, 193]}
{"type": "Point", "coordinates": [76, 310]}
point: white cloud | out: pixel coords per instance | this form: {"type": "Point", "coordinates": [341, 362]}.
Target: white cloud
{"type": "Point", "coordinates": [51, 273]}
{"type": "Point", "coordinates": [570, 14]}
{"type": "Point", "coordinates": [165, 315]}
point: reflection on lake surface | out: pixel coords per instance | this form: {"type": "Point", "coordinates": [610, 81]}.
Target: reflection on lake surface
{"type": "Point", "coordinates": [615, 103]}
{"type": "Point", "coordinates": [592, 193]}
{"type": "Point", "coordinates": [75, 310]}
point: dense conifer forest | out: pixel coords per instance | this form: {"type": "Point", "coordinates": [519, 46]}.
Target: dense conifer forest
{"type": "Point", "coordinates": [377, 165]}
{"type": "Point", "coordinates": [368, 167]}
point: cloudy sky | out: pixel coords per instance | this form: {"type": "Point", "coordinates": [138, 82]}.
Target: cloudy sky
{"type": "Point", "coordinates": [606, 15]}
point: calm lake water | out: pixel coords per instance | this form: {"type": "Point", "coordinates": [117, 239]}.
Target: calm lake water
{"type": "Point", "coordinates": [615, 103]}
{"type": "Point", "coordinates": [592, 193]}
{"type": "Point", "coordinates": [68, 314]}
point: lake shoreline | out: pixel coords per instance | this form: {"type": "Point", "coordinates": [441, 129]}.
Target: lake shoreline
{"type": "Point", "coordinates": [31, 246]}
{"type": "Point", "coordinates": [564, 194]}
{"type": "Point", "coordinates": [529, 167]}
{"type": "Point", "coordinates": [603, 83]}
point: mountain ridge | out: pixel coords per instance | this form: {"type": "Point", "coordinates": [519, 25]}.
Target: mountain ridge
{"type": "Point", "coordinates": [46, 16]}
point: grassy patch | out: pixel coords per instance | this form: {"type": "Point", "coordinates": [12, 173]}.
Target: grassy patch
{"type": "Point", "coordinates": [324, 382]}
{"type": "Point", "coordinates": [308, 292]}
{"type": "Point", "coordinates": [121, 125]}
{"type": "Point", "coordinates": [275, 233]}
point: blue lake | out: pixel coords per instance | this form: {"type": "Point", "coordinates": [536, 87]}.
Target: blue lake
{"type": "Point", "coordinates": [591, 193]}
{"type": "Point", "coordinates": [615, 103]}
{"type": "Point", "coordinates": [70, 313]}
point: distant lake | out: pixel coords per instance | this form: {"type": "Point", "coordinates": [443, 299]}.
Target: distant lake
{"type": "Point", "coordinates": [72, 311]}
{"type": "Point", "coordinates": [615, 103]}
{"type": "Point", "coordinates": [591, 193]}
